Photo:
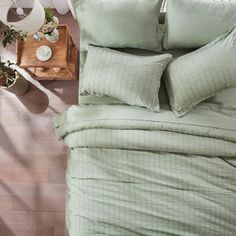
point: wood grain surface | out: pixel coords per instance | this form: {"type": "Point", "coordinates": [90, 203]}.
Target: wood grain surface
{"type": "Point", "coordinates": [32, 160]}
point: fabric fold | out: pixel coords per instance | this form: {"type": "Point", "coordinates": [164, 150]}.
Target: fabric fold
{"type": "Point", "coordinates": [133, 128]}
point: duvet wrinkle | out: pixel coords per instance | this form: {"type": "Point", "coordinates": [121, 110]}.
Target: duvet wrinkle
{"type": "Point", "coordinates": [168, 181]}
{"type": "Point", "coordinates": [229, 163]}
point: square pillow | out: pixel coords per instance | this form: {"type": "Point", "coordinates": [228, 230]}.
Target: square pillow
{"type": "Point", "coordinates": [120, 23]}
{"type": "Point", "coordinates": [192, 78]}
{"type": "Point", "coordinates": [195, 23]}
{"type": "Point", "coordinates": [134, 80]}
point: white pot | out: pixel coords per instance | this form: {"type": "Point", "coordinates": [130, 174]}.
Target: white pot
{"type": "Point", "coordinates": [19, 86]}
{"type": "Point", "coordinates": [53, 37]}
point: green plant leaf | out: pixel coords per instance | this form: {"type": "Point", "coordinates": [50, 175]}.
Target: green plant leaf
{"type": "Point", "coordinates": [48, 14]}
{"type": "Point", "coordinates": [10, 35]}
{"type": "Point", "coordinates": [6, 72]}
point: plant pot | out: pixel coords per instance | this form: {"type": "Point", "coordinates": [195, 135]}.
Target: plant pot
{"type": "Point", "coordinates": [53, 37]}
{"type": "Point", "coordinates": [18, 87]}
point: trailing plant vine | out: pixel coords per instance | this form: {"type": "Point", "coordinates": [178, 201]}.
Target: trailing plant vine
{"type": "Point", "coordinates": [10, 35]}
{"type": "Point", "coordinates": [7, 74]}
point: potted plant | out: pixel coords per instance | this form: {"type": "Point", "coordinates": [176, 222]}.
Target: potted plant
{"type": "Point", "coordinates": [10, 35]}
{"type": "Point", "coordinates": [49, 29]}
{"type": "Point", "coordinates": [11, 80]}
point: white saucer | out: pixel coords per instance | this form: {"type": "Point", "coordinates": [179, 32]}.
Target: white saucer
{"type": "Point", "coordinates": [44, 53]}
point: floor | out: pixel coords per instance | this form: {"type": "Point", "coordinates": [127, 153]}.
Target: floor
{"type": "Point", "coordinates": [32, 161]}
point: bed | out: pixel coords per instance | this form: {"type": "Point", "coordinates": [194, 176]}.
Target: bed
{"type": "Point", "coordinates": [133, 172]}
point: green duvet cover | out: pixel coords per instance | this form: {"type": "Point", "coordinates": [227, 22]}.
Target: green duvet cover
{"type": "Point", "coordinates": [135, 172]}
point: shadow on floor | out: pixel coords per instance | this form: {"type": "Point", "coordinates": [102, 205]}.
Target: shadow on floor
{"type": "Point", "coordinates": [4, 230]}
{"type": "Point", "coordinates": [67, 91]}
{"type": "Point", "coordinates": [35, 100]}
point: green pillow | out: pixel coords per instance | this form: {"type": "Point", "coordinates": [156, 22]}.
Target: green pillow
{"type": "Point", "coordinates": [134, 80]}
{"type": "Point", "coordinates": [195, 23]}
{"type": "Point", "coordinates": [201, 74]}
{"type": "Point", "coordinates": [120, 23]}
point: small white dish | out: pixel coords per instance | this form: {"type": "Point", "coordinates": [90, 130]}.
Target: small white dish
{"type": "Point", "coordinates": [44, 53]}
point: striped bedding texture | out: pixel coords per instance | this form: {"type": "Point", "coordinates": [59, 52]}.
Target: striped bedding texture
{"type": "Point", "coordinates": [129, 78]}
{"type": "Point", "coordinates": [134, 172]}
{"type": "Point", "coordinates": [199, 75]}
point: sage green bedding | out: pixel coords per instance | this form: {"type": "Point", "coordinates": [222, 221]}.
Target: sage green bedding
{"type": "Point", "coordinates": [119, 24]}
{"type": "Point", "coordinates": [195, 23]}
{"type": "Point", "coordinates": [134, 172]}
{"type": "Point", "coordinates": [93, 99]}
{"type": "Point", "coordinates": [199, 75]}
{"type": "Point", "coordinates": [132, 79]}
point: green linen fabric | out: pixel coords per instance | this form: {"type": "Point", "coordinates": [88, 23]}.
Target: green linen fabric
{"type": "Point", "coordinates": [136, 172]}
{"type": "Point", "coordinates": [195, 23]}
{"type": "Point", "coordinates": [120, 23]}
{"type": "Point", "coordinates": [162, 94]}
{"type": "Point", "coordinates": [134, 80]}
{"type": "Point", "coordinates": [224, 102]}
{"type": "Point", "coordinates": [199, 75]}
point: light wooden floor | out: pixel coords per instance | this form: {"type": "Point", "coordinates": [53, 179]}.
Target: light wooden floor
{"type": "Point", "coordinates": [32, 161]}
